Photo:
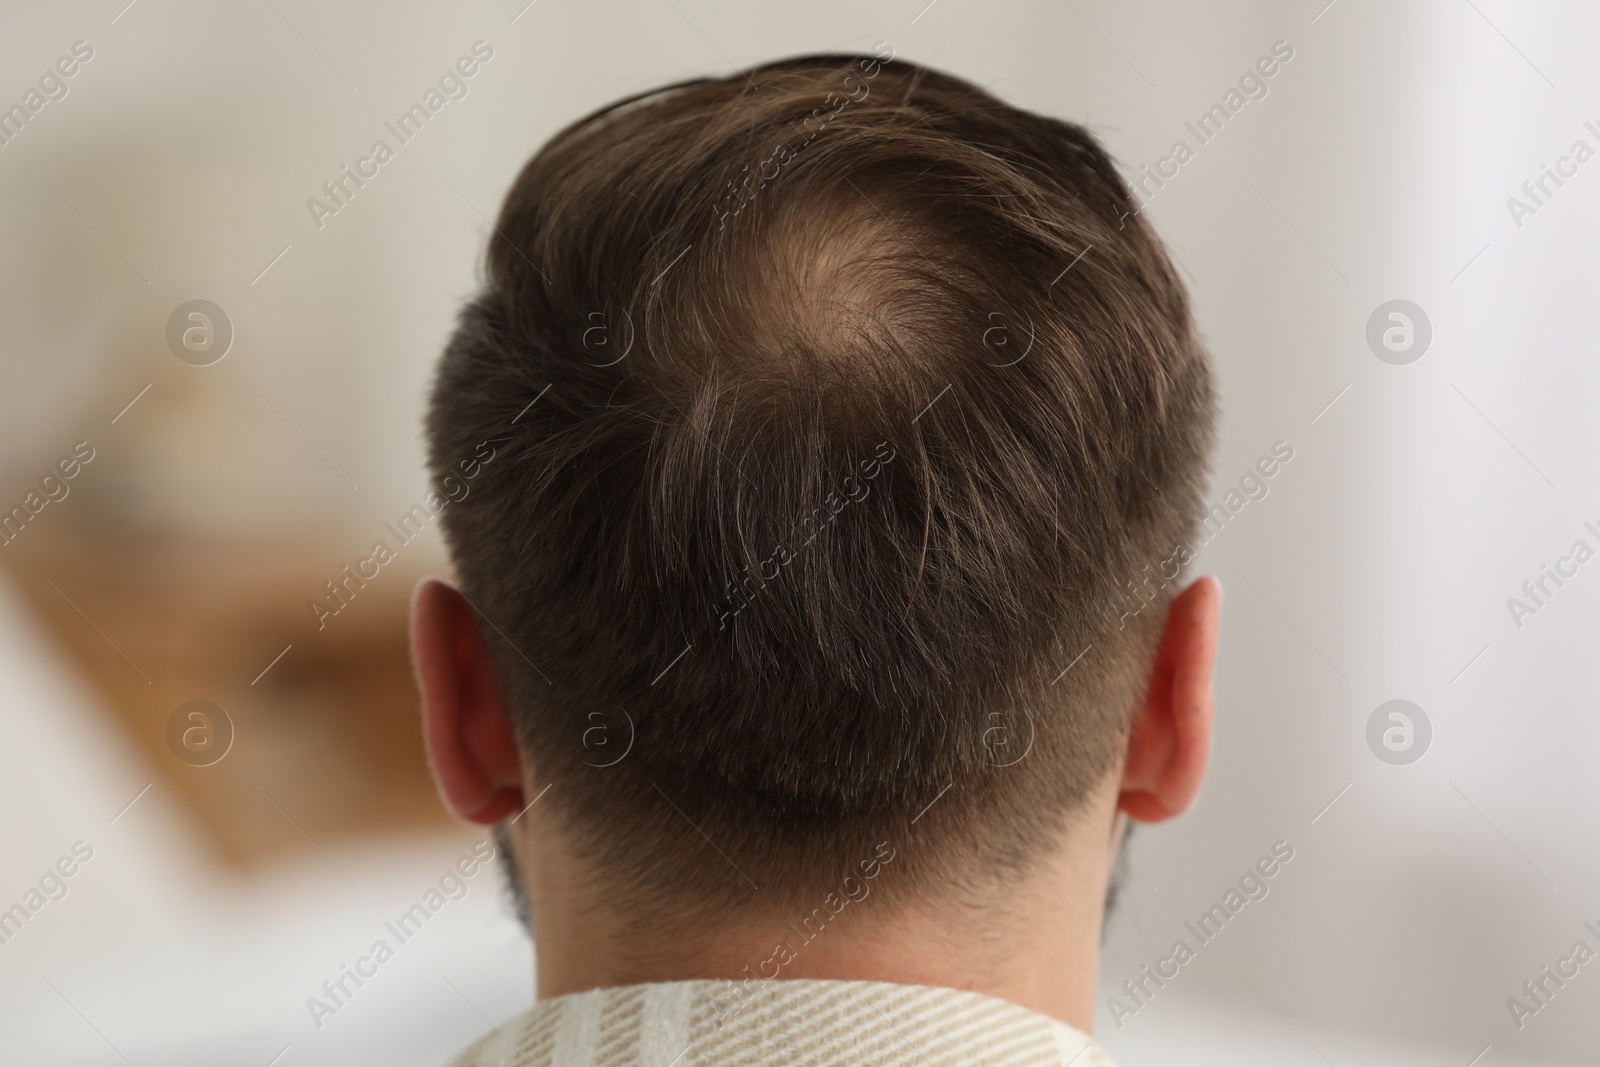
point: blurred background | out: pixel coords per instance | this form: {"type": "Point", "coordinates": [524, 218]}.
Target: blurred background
{"type": "Point", "coordinates": [237, 860]}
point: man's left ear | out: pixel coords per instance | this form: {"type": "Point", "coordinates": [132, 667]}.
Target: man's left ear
{"type": "Point", "coordinates": [466, 722]}
{"type": "Point", "coordinates": [1170, 743]}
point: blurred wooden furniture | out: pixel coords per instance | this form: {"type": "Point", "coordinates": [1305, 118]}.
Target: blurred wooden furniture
{"type": "Point", "coordinates": [327, 742]}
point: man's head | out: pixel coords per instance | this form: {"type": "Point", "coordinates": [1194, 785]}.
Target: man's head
{"type": "Point", "coordinates": [841, 415]}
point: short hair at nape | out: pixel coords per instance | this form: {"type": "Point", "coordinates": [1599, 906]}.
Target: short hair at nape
{"type": "Point", "coordinates": [837, 404]}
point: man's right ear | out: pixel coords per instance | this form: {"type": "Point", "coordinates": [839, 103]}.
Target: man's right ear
{"type": "Point", "coordinates": [1170, 743]}
{"type": "Point", "coordinates": [466, 720]}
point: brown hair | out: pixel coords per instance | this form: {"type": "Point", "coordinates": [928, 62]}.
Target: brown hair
{"type": "Point", "coordinates": [838, 403]}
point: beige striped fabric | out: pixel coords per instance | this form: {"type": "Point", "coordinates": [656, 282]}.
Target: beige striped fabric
{"type": "Point", "coordinates": [793, 1022]}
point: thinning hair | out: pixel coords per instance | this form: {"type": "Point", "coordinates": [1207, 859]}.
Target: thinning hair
{"type": "Point", "coordinates": [837, 403]}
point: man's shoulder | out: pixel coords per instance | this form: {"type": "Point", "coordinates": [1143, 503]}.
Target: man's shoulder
{"type": "Point", "coordinates": [813, 1021]}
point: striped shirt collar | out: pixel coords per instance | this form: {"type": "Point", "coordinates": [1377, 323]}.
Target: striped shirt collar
{"type": "Point", "coordinates": [816, 1022]}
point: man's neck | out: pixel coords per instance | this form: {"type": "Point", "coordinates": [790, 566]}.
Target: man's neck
{"type": "Point", "coordinates": [1035, 943]}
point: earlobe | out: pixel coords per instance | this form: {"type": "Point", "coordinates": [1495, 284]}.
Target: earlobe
{"type": "Point", "coordinates": [466, 720]}
{"type": "Point", "coordinates": [1170, 743]}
